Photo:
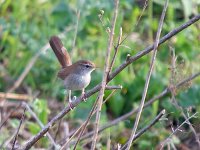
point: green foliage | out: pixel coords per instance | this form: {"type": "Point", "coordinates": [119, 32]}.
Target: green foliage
{"type": "Point", "coordinates": [25, 27]}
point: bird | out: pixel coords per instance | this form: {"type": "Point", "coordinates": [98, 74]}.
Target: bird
{"type": "Point", "coordinates": [76, 76]}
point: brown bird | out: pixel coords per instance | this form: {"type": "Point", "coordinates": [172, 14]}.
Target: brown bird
{"type": "Point", "coordinates": [76, 76]}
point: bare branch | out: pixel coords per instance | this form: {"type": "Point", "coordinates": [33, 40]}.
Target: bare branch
{"type": "Point", "coordinates": [92, 112]}
{"type": "Point", "coordinates": [85, 123]}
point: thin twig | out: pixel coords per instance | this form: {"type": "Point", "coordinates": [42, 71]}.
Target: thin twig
{"type": "Point", "coordinates": [16, 135]}
{"type": "Point", "coordinates": [105, 75]}
{"type": "Point", "coordinates": [148, 75]}
{"type": "Point", "coordinates": [34, 139]}
{"type": "Point", "coordinates": [137, 22]}
{"type": "Point", "coordinates": [190, 126]}
{"type": "Point", "coordinates": [143, 130]}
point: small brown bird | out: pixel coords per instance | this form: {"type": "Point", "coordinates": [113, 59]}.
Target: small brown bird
{"type": "Point", "coordinates": [76, 76]}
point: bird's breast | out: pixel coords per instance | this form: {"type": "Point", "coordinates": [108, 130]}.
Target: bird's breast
{"type": "Point", "coordinates": [76, 81]}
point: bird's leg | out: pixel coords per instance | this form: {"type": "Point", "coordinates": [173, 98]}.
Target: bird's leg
{"type": "Point", "coordinates": [83, 95]}
{"type": "Point", "coordinates": [70, 100]}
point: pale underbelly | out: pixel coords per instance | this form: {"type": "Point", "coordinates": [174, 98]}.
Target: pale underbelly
{"type": "Point", "coordinates": [76, 82]}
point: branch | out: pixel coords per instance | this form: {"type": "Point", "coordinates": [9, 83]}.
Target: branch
{"type": "Point", "coordinates": [148, 76]}
{"type": "Point", "coordinates": [34, 139]}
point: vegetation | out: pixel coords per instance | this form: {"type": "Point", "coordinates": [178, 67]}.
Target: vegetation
{"type": "Point", "coordinates": [25, 29]}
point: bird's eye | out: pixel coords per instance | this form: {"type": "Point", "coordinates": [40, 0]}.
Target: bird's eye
{"type": "Point", "coordinates": [87, 66]}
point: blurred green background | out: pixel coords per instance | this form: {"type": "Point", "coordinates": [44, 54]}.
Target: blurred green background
{"type": "Point", "coordinates": [26, 26]}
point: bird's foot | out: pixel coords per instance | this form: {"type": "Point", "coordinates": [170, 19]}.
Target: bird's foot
{"type": "Point", "coordinates": [71, 106]}
{"type": "Point", "coordinates": [83, 96]}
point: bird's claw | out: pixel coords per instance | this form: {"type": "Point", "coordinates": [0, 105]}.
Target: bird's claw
{"type": "Point", "coordinates": [83, 96]}
{"type": "Point", "coordinates": [71, 106]}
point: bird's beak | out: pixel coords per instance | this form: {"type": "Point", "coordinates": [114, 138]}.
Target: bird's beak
{"type": "Point", "coordinates": [97, 67]}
